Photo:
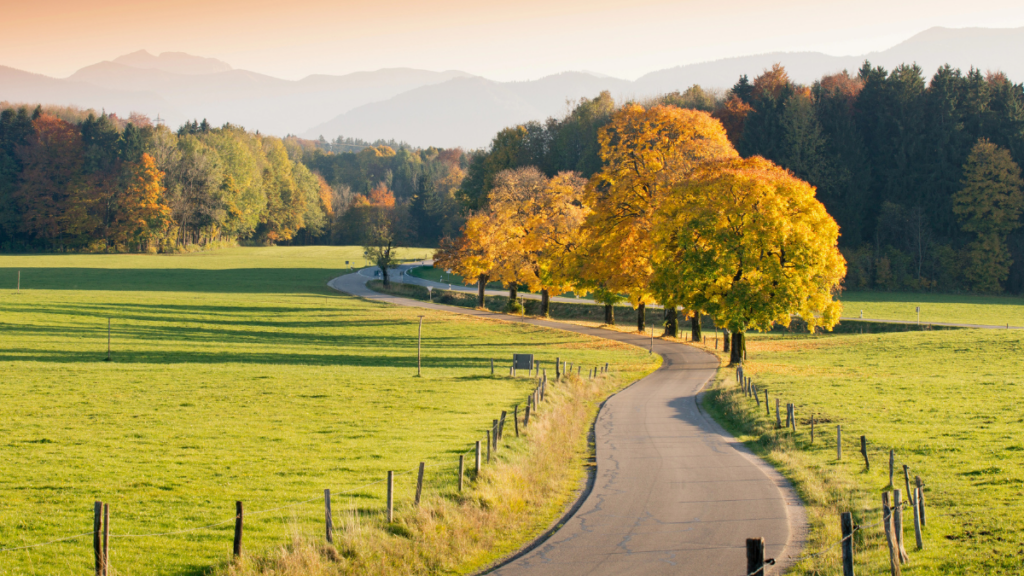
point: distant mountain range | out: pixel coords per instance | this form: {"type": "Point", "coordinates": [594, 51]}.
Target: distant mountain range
{"type": "Point", "coordinates": [449, 108]}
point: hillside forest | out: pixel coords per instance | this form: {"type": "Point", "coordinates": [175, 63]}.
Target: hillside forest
{"type": "Point", "coordinates": [920, 174]}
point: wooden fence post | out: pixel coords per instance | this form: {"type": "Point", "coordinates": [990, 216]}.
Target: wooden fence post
{"type": "Point", "coordinates": [890, 540]}
{"type": "Point", "coordinates": [778, 418]}
{"type": "Point", "coordinates": [892, 464]}
{"type": "Point", "coordinates": [501, 425]}
{"type": "Point", "coordinates": [846, 525]}
{"type": "Point", "coordinates": [488, 446]}
{"type": "Point", "coordinates": [391, 496]}
{"type": "Point", "coordinates": [755, 556]}
{"type": "Point", "coordinates": [756, 397]}
{"type": "Point", "coordinates": [526, 417]}
{"type": "Point", "coordinates": [897, 523]}
{"type": "Point", "coordinates": [515, 419]}
{"type": "Point", "coordinates": [494, 434]}
{"type": "Point", "coordinates": [419, 484]}
{"type": "Point", "coordinates": [477, 469]}
{"type": "Point", "coordinates": [328, 520]}
{"type": "Point", "coordinates": [492, 367]}
{"type": "Point", "coordinates": [97, 527]}
{"type": "Point", "coordinates": [462, 470]}
{"type": "Point", "coordinates": [839, 442]}
{"type": "Point", "coordinates": [239, 517]}
{"type": "Point", "coordinates": [605, 367]}
{"type": "Point", "coordinates": [906, 482]}
{"type": "Point", "coordinates": [864, 451]}
{"type": "Point", "coordinates": [558, 368]}
{"type": "Point", "coordinates": [792, 414]}
{"type": "Point", "coordinates": [106, 539]}
{"type": "Point", "coordinates": [920, 500]}
{"type": "Point", "coordinates": [767, 408]}
{"type": "Point", "coordinates": [917, 518]}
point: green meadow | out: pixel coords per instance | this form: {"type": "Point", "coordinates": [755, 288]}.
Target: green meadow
{"type": "Point", "coordinates": [948, 402]}
{"type": "Point", "coordinates": [235, 375]}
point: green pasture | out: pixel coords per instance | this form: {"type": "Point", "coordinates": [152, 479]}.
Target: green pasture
{"type": "Point", "coordinates": [236, 375]}
{"type": "Point", "coordinates": [948, 402]}
{"type": "Point", "coordinates": [955, 308]}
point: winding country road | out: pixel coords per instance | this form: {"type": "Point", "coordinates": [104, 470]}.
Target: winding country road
{"type": "Point", "coordinates": [673, 494]}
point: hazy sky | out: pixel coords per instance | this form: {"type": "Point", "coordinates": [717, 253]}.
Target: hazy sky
{"type": "Point", "coordinates": [510, 40]}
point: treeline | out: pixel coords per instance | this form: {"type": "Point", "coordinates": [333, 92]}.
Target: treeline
{"type": "Point", "coordinates": [71, 180]}
{"type": "Point", "coordinates": [889, 153]}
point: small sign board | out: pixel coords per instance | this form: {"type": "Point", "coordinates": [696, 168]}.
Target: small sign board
{"type": "Point", "coordinates": [522, 361]}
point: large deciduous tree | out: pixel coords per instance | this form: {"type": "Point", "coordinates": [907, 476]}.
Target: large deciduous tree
{"type": "Point", "coordinates": [646, 154]}
{"type": "Point", "coordinates": [748, 243]}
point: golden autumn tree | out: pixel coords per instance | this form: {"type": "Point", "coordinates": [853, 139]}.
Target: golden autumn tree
{"type": "Point", "coordinates": [646, 153]}
{"type": "Point", "coordinates": [748, 243]}
{"type": "Point", "coordinates": [138, 212]}
{"type": "Point", "coordinates": [524, 236]}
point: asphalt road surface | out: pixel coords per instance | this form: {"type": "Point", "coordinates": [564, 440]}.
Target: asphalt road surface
{"type": "Point", "coordinates": [673, 493]}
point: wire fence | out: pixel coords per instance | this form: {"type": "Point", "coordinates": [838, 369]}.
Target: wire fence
{"type": "Point", "coordinates": [442, 481]}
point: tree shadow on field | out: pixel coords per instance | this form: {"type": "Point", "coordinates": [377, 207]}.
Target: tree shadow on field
{"type": "Point", "coordinates": [229, 281]}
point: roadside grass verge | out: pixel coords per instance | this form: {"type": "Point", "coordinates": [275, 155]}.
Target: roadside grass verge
{"type": "Point", "coordinates": [946, 401]}
{"type": "Point", "coordinates": [236, 375]}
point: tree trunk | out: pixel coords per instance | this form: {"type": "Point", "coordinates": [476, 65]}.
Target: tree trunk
{"type": "Point", "coordinates": [481, 283]}
{"type": "Point", "coordinates": [671, 322]}
{"type": "Point", "coordinates": [695, 326]}
{"type": "Point", "coordinates": [641, 317]}
{"type": "Point", "coordinates": [545, 303]}
{"type": "Point", "coordinates": [513, 292]}
{"type": "Point", "coordinates": [738, 344]}
{"type": "Point", "coordinates": [384, 275]}
{"type": "Point", "coordinates": [725, 340]}
{"type": "Point", "coordinates": [609, 314]}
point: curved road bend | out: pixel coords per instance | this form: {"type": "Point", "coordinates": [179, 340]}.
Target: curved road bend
{"type": "Point", "coordinates": [674, 493]}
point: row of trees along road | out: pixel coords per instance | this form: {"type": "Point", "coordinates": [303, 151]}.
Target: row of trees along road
{"type": "Point", "coordinates": [673, 216]}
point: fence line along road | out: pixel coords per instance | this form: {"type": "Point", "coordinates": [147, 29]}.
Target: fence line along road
{"type": "Point", "coordinates": [410, 279]}
{"type": "Point", "coordinates": [673, 492]}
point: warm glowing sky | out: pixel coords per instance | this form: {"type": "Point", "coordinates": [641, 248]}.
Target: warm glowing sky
{"type": "Point", "coordinates": [508, 40]}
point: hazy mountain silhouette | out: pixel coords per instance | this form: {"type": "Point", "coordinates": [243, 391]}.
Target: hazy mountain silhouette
{"type": "Point", "coordinates": [448, 108]}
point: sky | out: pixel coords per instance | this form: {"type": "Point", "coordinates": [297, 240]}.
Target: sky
{"type": "Point", "coordinates": [517, 40]}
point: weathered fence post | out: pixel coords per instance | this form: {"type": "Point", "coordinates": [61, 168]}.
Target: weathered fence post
{"type": "Point", "coordinates": [515, 419]}
{"type": "Point", "coordinates": [864, 451]}
{"type": "Point", "coordinates": [839, 442]}
{"type": "Point", "coordinates": [755, 556]}
{"type": "Point", "coordinates": [792, 417]}
{"type": "Point", "coordinates": [492, 367]}
{"type": "Point", "coordinates": [778, 418]}
{"type": "Point", "coordinates": [920, 500]}
{"type": "Point", "coordinates": [106, 539]}
{"type": "Point", "coordinates": [328, 520]}
{"type": "Point", "coordinates": [391, 496]}
{"type": "Point", "coordinates": [239, 517]}
{"type": "Point", "coordinates": [97, 528]}
{"type": "Point", "coordinates": [462, 470]}
{"type": "Point", "coordinates": [501, 425]}
{"type": "Point", "coordinates": [419, 485]}
{"type": "Point", "coordinates": [767, 408]}
{"type": "Point", "coordinates": [488, 446]}
{"type": "Point", "coordinates": [756, 397]}
{"type": "Point", "coordinates": [526, 417]}
{"type": "Point", "coordinates": [897, 523]}
{"type": "Point", "coordinates": [917, 518]}
{"type": "Point", "coordinates": [846, 525]}
{"type": "Point", "coordinates": [476, 470]}
{"type": "Point", "coordinates": [890, 540]}
{"type": "Point", "coordinates": [558, 368]}
{"type": "Point", "coordinates": [494, 434]}
{"type": "Point", "coordinates": [892, 464]}
{"type": "Point", "coordinates": [906, 482]}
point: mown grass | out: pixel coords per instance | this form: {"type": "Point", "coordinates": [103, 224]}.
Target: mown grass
{"type": "Point", "coordinates": [236, 375]}
{"type": "Point", "coordinates": [948, 403]}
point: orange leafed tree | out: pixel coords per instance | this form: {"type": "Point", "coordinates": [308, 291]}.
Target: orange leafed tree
{"type": "Point", "coordinates": [139, 212]}
{"type": "Point", "coordinates": [51, 180]}
{"type": "Point", "coordinates": [646, 153]}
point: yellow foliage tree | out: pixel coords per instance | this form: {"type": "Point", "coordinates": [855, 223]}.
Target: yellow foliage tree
{"type": "Point", "coordinates": [647, 153]}
{"type": "Point", "coordinates": [748, 243]}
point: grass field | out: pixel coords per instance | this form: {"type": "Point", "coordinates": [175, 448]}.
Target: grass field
{"type": "Point", "coordinates": [236, 375]}
{"type": "Point", "coordinates": [957, 308]}
{"type": "Point", "coordinates": [948, 402]}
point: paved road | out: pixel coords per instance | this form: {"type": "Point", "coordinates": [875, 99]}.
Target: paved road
{"type": "Point", "coordinates": [410, 279]}
{"type": "Point", "coordinates": [673, 494]}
